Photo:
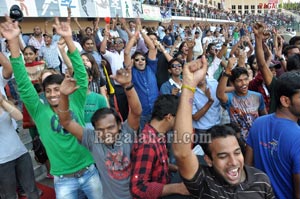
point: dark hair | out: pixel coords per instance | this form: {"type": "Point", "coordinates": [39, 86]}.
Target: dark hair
{"type": "Point", "coordinates": [288, 85]}
{"type": "Point", "coordinates": [102, 113]}
{"type": "Point", "coordinates": [250, 62]}
{"type": "Point", "coordinates": [32, 48]}
{"type": "Point", "coordinates": [94, 69]}
{"type": "Point", "coordinates": [294, 39]}
{"type": "Point", "coordinates": [287, 48]}
{"type": "Point", "coordinates": [209, 46]}
{"type": "Point", "coordinates": [52, 79]}
{"type": "Point", "coordinates": [218, 131]}
{"type": "Point", "coordinates": [85, 39]}
{"type": "Point", "coordinates": [136, 53]}
{"type": "Point", "coordinates": [152, 33]}
{"type": "Point", "coordinates": [88, 28]}
{"type": "Point", "coordinates": [293, 62]}
{"type": "Point", "coordinates": [181, 46]}
{"type": "Point", "coordinates": [237, 72]}
{"type": "Point", "coordinates": [173, 60]}
{"type": "Point", "coordinates": [164, 105]}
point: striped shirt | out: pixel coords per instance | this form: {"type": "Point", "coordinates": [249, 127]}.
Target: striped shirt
{"type": "Point", "coordinates": [206, 183]}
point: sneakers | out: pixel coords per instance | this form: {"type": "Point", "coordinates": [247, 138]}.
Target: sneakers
{"type": "Point", "coordinates": [49, 176]}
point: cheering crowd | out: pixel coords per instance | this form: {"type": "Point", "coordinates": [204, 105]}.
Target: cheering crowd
{"type": "Point", "coordinates": [120, 110]}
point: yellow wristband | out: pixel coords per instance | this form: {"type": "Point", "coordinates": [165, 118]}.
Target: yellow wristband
{"type": "Point", "coordinates": [189, 88]}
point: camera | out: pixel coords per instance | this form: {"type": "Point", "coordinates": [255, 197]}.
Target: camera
{"type": "Point", "coordinates": [15, 13]}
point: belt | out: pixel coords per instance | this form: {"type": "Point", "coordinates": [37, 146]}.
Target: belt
{"type": "Point", "coordinates": [76, 174]}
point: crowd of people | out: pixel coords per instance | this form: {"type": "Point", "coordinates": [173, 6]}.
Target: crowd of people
{"type": "Point", "coordinates": [119, 110]}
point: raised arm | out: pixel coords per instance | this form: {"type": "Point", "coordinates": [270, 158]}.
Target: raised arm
{"type": "Point", "coordinates": [149, 43]}
{"type": "Point", "coordinates": [5, 63]}
{"type": "Point", "coordinates": [221, 89]}
{"type": "Point", "coordinates": [10, 108]}
{"type": "Point", "coordinates": [104, 41]}
{"type": "Point", "coordinates": [124, 77]}
{"type": "Point", "coordinates": [67, 87]}
{"type": "Point", "coordinates": [187, 162]}
{"type": "Point", "coordinates": [260, 36]}
{"type": "Point", "coordinates": [61, 44]}
{"type": "Point", "coordinates": [127, 49]}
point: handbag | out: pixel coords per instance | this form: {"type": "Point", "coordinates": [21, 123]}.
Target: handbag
{"type": "Point", "coordinates": [40, 154]}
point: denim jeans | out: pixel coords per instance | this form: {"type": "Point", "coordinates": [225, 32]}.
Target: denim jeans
{"type": "Point", "coordinates": [22, 169]}
{"type": "Point", "coordinates": [89, 183]}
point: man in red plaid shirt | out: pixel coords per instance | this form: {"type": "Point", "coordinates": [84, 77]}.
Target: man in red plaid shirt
{"type": "Point", "coordinates": [150, 174]}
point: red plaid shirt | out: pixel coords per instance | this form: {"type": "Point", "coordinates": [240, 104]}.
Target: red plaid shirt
{"type": "Point", "coordinates": [149, 165]}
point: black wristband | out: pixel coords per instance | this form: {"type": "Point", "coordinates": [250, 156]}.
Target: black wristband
{"type": "Point", "coordinates": [129, 87]}
{"type": "Point", "coordinates": [226, 74]}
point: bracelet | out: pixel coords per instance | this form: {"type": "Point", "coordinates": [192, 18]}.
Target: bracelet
{"type": "Point", "coordinates": [226, 74]}
{"type": "Point", "coordinates": [189, 88]}
{"type": "Point", "coordinates": [128, 88]}
{"type": "Point", "coordinates": [61, 111]}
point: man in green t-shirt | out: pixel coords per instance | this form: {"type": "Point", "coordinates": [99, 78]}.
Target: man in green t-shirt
{"type": "Point", "coordinates": [71, 164]}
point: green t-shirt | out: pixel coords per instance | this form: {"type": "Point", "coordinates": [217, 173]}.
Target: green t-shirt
{"type": "Point", "coordinates": [94, 101]}
{"type": "Point", "coordinates": [66, 155]}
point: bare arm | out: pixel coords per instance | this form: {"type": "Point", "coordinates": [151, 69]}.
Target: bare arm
{"type": "Point", "coordinates": [199, 114]}
{"type": "Point", "coordinates": [125, 27]}
{"type": "Point", "coordinates": [296, 180]}
{"type": "Point", "coordinates": [127, 57]}
{"type": "Point", "coordinates": [67, 87]}
{"type": "Point", "coordinates": [5, 63]}
{"type": "Point", "coordinates": [187, 162]}
{"type": "Point", "coordinates": [10, 108]}
{"type": "Point", "coordinates": [263, 66]}
{"type": "Point", "coordinates": [123, 77]}
{"type": "Point", "coordinates": [174, 188]}
{"type": "Point", "coordinates": [163, 50]}
{"type": "Point", "coordinates": [61, 46]}
{"type": "Point", "coordinates": [104, 41]}
{"type": "Point", "coordinates": [149, 43]}
{"type": "Point", "coordinates": [221, 89]}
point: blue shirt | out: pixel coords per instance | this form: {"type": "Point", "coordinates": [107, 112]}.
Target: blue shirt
{"type": "Point", "coordinates": [213, 115]}
{"type": "Point", "coordinates": [167, 87]}
{"type": "Point", "coordinates": [145, 85]}
{"type": "Point", "coordinates": [276, 151]}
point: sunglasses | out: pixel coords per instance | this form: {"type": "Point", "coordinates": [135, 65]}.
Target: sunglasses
{"type": "Point", "coordinates": [175, 65]}
{"type": "Point", "coordinates": [142, 59]}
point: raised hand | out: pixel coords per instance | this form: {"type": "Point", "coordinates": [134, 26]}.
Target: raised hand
{"type": "Point", "coordinates": [230, 64]}
{"type": "Point", "coordinates": [68, 86]}
{"type": "Point", "coordinates": [260, 31]}
{"type": "Point", "coordinates": [62, 28]}
{"type": "Point", "coordinates": [194, 72]}
{"type": "Point", "coordinates": [123, 76]}
{"type": "Point", "coordinates": [9, 29]}
{"type": "Point", "coordinates": [61, 44]}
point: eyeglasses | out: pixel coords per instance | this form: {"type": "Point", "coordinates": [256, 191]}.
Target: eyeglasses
{"type": "Point", "coordinates": [142, 59]}
{"type": "Point", "coordinates": [175, 65]}
{"type": "Point", "coordinates": [118, 42]}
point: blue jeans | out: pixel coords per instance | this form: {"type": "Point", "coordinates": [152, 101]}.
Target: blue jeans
{"type": "Point", "coordinates": [22, 169]}
{"type": "Point", "coordinates": [89, 183]}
